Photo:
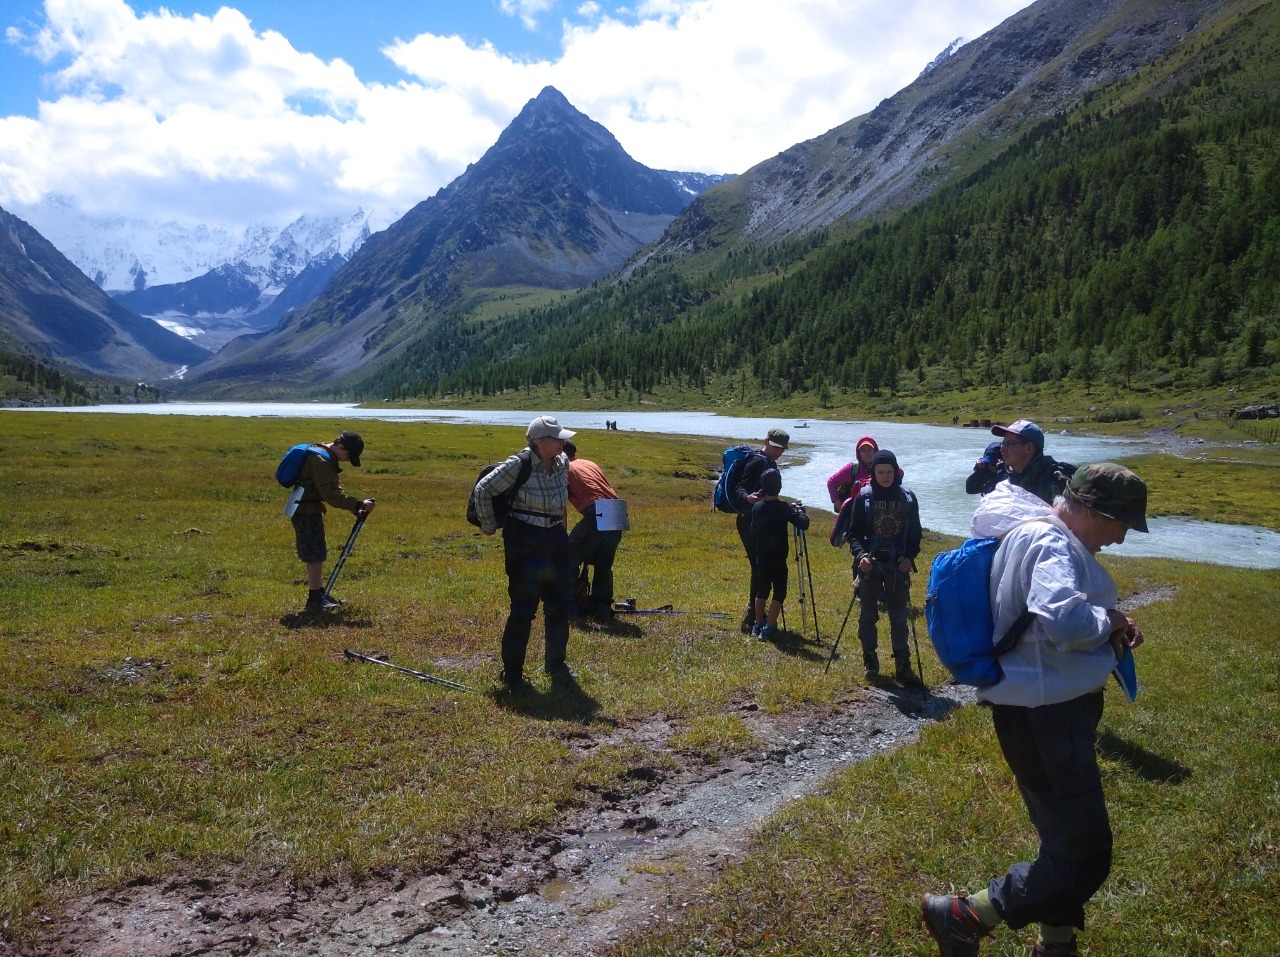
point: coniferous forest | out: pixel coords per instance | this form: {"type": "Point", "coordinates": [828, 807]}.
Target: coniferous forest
{"type": "Point", "coordinates": [1137, 241]}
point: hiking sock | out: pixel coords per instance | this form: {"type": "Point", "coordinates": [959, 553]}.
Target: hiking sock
{"type": "Point", "coordinates": [985, 910]}
{"type": "Point", "coordinates": [314, 595]}
{"type": "Point", "coordinates": [1056, 935]}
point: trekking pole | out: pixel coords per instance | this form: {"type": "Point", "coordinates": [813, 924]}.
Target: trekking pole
{"type": "Point", "coordinates": [623, 608]}
{"type": "Point", "coordinates": [421, 675]}
{"type": "Point", "coordinates": [796, 538]}
{"type": "Point", "coordinates": [852, 601]}
{"type": "Point", "coordinates": [924, 688]}
{"type": "Point", "coordinates": [346, 550]}
{"type": "Point", "coordinates": [808, 574]}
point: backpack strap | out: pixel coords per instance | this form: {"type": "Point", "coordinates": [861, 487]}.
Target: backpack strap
{"type": "Point", "coordinates": [315, 448]}
{"type": "Point", "coordinates": [526, 469]}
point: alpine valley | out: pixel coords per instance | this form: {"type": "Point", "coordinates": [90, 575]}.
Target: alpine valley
{"type": "Point", "coordinates": [1090, 189]}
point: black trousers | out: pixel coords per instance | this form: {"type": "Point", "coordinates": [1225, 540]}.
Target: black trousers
{"type": "Point", "coordinates": [748, 545]}
{"type": "Point", "coordinates": [537, 564]}
{"type": "Point", "coordinates": [1052, 751]}
{"type": "Point", "coordinates": [588, 544]}
{"type": "Point", "coordinates": [884, 583]}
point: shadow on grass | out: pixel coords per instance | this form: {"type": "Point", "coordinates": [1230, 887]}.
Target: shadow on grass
{"type": "Point", "coordinates": [916, 701]}
{"type": "Point", "coordinates": [1144, 763]}
{"type": "Point", "coordinates": [565, 701]}
{"type": "Point", "coordinates": [798, 646]}
{"type": "Point", "coordinates": [614, 626]}
{"type": "Point", "coordinates": [341, 617]}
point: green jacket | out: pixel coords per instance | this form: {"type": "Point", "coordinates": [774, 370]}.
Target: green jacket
{"type": "Point", "coordinates": [320, 479]}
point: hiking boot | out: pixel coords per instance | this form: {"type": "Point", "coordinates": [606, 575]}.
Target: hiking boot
{"type": "Point", "coordinates": [560, 672]}
{"type": "Point", "coordinates": [514, 683]}
{"type": "Point", "coordinates": [870, 667]}
{"type": "Point", "coordinates": [768, 632]}
{"type": "Point", "coordinates": [1041, 949]}
{"type": "Point", "coordinates": [953, 923]}
{"type": "Point", "coordinates": [748, 620]}
{"type": "Point", "coordinates": [317, 605]}
{"type": "Point", "coordinates": [906, 677]}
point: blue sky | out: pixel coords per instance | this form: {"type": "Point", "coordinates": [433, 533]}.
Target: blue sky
{"type": "Point", "coordinates": [266, 109]}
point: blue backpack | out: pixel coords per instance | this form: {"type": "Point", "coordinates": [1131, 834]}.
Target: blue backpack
{"type": "Point", "coordinates": [290, 466]}
{"type": "Point", "coordinates": [957, 612]}
{"type": "Point", "coordinates": [731, 463]}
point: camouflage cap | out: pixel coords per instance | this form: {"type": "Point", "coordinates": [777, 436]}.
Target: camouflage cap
{"type": "Point", "coordinates": [779, 438]}
{"type": "Point", "coordinates": [1111, 490]}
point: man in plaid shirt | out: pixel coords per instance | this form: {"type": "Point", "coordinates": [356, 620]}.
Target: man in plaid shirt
{"type": "Point", "coordinates": [536, 547]}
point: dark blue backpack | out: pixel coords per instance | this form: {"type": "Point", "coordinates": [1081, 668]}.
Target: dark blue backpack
{"type": "Point", "coordinates": [290, 466]}
{"type": "Point", "coordinates": [957, 612]}
{"type": "Point", "coordinates": [731, 463]}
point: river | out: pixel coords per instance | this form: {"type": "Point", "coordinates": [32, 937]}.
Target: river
{"type": "Point", "coordinates": [936, 460]}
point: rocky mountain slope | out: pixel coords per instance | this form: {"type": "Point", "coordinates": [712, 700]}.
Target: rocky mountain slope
{"type": "Point", "coordinates": [955, 116]}
{"type": "Point", "coordinates": [556, 203]}
{"type": "Point", "coordinates": [50, 310]}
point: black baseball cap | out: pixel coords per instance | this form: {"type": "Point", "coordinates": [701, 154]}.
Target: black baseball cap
{"type": "Point", "coordinates": [353, 444]}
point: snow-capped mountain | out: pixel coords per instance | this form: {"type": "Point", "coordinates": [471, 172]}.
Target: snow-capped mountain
{"type": "Point", "coordinates": [208, 283]}
{"type": "Point", "coordinates": [125, 254]}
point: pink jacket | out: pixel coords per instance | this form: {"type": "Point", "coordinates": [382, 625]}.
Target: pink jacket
{"type": "Point", "coordinates": [845, 483]}
{"type": "Point", "coordinates": [846, 480]}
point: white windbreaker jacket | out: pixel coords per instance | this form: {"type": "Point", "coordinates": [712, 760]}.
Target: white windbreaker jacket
{"type": "Point", "coordinates": [1042, 567]}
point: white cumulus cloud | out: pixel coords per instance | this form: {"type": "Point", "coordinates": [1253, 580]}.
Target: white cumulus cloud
{"type": "Point", "coordinates": [204, 118]}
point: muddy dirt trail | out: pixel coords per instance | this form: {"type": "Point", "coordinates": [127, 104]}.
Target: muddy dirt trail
{"type": "Point", "coordinates": [576, 888]}
{"type": "Point", "coordinates": [627, 861]}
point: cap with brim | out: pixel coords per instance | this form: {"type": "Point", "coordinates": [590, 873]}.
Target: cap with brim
{"type": "Point", "coordinates": [1111, 490]}
{"type": "Point", "coordinates": [991, 455]}
{"type": "Point", "coordinates": [547, 427]}
{"type": "Point", "coordinates": [1023, 429]}
{"type": "Point", "coordinates": [778, 438]}
{"type": "Point", "coordinates": [354, 445]}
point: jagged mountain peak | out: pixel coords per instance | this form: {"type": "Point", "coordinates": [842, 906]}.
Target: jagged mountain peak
{"type": "Point", "coordinates": [555, 203]}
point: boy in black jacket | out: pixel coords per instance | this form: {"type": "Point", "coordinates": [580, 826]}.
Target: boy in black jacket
{"type": "Point", "coordinates": [770, 518]}
{"type": "Point", "coordinates": [885, 538]}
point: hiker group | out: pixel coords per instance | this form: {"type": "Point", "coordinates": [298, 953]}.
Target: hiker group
{"type": "Point", "coordinates": [1023, 611]}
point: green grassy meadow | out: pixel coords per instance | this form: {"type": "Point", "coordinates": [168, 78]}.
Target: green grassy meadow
{"type": "Point", "coordinates": [166, 707]}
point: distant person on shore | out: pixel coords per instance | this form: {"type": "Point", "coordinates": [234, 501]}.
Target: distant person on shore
{"type": "Point", "coordinates": [745, 493]}
{"type": "Point", "coordinates": [988, 471]}
{"type": "Point", "coordinates": [884, 537]}
{"type": "Point", "coordinates": [845, 481]}
{"type": "Point", "coordinates": [771, 519]}
{"type": "Point", "coordinates": [589, 545]}
{"type": "Point", "coordinates": [536, 549]}
{"type": "Point", "coordinates": [1025, 461]}
{"type": "Point", "coordinates": [1047, 706]}
{"type": "Point", "coordinates": [319, 480]}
